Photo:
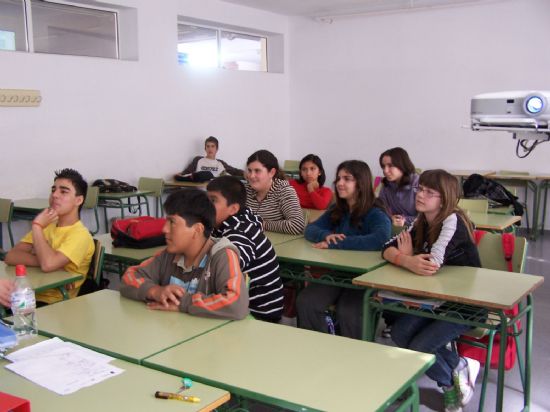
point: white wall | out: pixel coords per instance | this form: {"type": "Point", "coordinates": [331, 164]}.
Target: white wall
{"type": "Point", "coordinates": [126, 119]}
{"type": "Point", "coordinates": [362, 85]}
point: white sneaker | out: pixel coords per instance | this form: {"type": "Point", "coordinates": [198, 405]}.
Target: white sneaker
{"type": "Point", "coordinates": [464, 377]}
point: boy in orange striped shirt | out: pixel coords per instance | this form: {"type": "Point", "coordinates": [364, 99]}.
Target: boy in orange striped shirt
{"type": "Point", "coordinates": [194, 274]}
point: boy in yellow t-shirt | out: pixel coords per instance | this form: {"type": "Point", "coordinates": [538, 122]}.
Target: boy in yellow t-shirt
{"type": "Point", "coordinates": [58, 239]}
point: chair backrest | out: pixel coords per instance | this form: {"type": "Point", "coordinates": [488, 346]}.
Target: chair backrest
{"type": "Point", "coordinates": [91, 197]}
{"type": "Point", "coordinates": [6, 209]}
{"type": "Point", "coordinates": [96, 266]}
{"type": "Point", "coordinates": [311, 215]}
{"type": "Point", "coordinates": [151, 184]}
{"type": "Point", "coordinates": [291, 166]}
{"type": "Point", "coordinates": [474, 205]}
{"type": "Point", "coordinates": [491, 253]}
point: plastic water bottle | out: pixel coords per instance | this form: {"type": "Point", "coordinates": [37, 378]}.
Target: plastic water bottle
{"type": "Point", "coordinates": [23, 304]}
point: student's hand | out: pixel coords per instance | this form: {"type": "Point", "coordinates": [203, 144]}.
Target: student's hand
{"type": "Point", "coordinates": [158, 306]}
{"type": "Point", "coordinates": [166, 295]}
{"type": "Point", "coordinates": [398, 220]}
{"type": "Point", "coordinates": [46, 217]}
{"type": "Point", "coordinates": [6, 288]}
{"type": "Point", "coordinates": [335, 238]}
{"type": "Point", "coordinates": [320, 245]}
{"type": "Point", "coordinates": [313, 186]}
{"type": "Point", "coordinates": [421, 264]}
{"type": "Point", "coordinates": [404, 243]}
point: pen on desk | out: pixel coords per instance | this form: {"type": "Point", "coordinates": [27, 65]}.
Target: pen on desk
{"type": "Point", "coordinates": [168, 395]}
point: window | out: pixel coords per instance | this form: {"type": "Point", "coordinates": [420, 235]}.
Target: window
{"type": "Point", "coordinates": [212, 47]}
{"type": "Point", "coordinates": [13, 35]}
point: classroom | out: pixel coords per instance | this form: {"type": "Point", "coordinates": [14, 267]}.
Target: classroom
{"type": "Point", "coordinates": [343, 79]}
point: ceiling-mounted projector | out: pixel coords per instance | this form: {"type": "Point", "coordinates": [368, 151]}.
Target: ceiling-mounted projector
{"type": "Point", "coordinates": [526, 114]}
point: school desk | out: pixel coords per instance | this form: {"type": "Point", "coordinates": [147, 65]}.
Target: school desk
{"type": "Point", "coordinates": [175, 184]}
{"type": "Point", "coordinates": [132, 390]}
{"type": "Point", "coordinates": [297, 369]}
{"type": "Point", "coordinates": [27, 209]}
{"type": "Point", "coordinates": [279, 238]}
{"type": "Point", "coordinates": [41, 281]}
{"type": "Point", "coordinates": [341, 265]}
{"type": "Point", "coordinates": [109, 323]}
{"type": "Point", "coordinates": [123, 201]}
{"type": "Point", "coordinates": [469, 293]}
{"type": "Point", "coordinates": [493, 222]}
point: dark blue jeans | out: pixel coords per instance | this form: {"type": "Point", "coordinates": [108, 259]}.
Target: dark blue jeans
{"type": "Point", "coordinates": [430, 336]}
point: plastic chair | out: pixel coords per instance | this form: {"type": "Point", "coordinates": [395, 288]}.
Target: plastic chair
{"type": "Point", "coordinates": [6, 211]}
{"type": "Point", "coordinates": [492, 257]}
{"type": "Point", "coordinates": [474, 205]}
{"type": "Point", "coordinates": [156, 186]}
{"type": "Point", "coordinates": [91, 203]}
{"type": "Point", "coordinates": [94, 279]}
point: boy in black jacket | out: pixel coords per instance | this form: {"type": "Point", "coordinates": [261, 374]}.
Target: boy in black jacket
{"type": "Point", "coordinates": [243, 228]}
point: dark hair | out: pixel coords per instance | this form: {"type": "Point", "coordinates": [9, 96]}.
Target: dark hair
{"type": "Point", "coordinates": [194, 206]}
{"type": "Point", "coordinates": [364, 193]}
{"type": "Point", "coordinates": [400, 159]}
{"type": "Point", "coordinates": [231, 188]}
{"type": "Point", "coordinates": [317, 161]}
{"type": "Point", "coordinates": [78, 182]}
{"type": "Point", "coordinates": [268, 160]}
{"type": "Point", "coordinates": [212, 139]}
{"type": "Point", "coordinates": [448, 188]}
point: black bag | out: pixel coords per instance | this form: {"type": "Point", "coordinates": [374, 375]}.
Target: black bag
{"type": "Point", "coordinates": [197, 177]}
{"type": "Point", "coordinates": [113, 186]}
{"type": "Point", "coordinates": [477, 186]}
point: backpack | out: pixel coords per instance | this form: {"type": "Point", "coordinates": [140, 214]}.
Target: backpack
{"type": "Point", "coordinates": [113, 186]}
{"type": "Point", "coordinates": [480, 354]}
{"type": "Point", "coordinates": [138, 232]}
{"type": "Point", "coordinates": [477, 186]}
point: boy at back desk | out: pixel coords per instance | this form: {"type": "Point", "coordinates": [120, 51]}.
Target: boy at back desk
{"type": "Point", "coordinates": [58, 239]}
{"type": "Point", "coordinates": [243, 228]}
{"type": "Point", "coordinates": [193, 274]}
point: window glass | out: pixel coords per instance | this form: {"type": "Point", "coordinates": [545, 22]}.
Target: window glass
{"type": "Point", "coordinates": [197, 46]}
{"type": "Point", "coordinates": [242, 52]}
{"type": "Point", "coordinates": [12, 25]}
{"type": "Point", "coordinates": [62, 29]}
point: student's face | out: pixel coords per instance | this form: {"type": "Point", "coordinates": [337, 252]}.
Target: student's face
{"type": "Point", "coordinates": [178, 235]}
{"type": "Point", "coordinates": [211, 149]}
{"type": "Point", "coordinates": [345, 185]}
{"type": "Point", "coordinates": [63, 198]}
{"type": "Point", "coordinates": [428, 201]}
{"type": "Point", "coordinates": [392, 173]}
{"type": "Point", "coordinates": [223, 210]}
{"type": "Point", "coordinates": [259, 177]}
{"type": "Point", "coordinates": [310, 172]}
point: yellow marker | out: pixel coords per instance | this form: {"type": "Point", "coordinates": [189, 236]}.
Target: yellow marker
{"type": "Point", "coordinates": [168, 395]}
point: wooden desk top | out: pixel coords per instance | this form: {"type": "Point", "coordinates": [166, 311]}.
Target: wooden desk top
{"type": "Point", "coordinates": [123, 195]}
{"type": "Point", "coordinates": [127, 254]}
{"type": "Point", "coordinates": [279, 238]}
{"type": "Point", "coordinates": [301, 251]}
{"type": "Point", "coordinates": [132, 390]}
{"type": "Point", "coordinates": [31, 205]}
{"type": "Point", "coordinates": [176, 183]}
{"type": "Point", "coordinates": [111, 324]}
{"type": "Point", "coordinates": [501, 176]}
{"type": "Point", "coordinates": [295, 368]}
{"type": "Point", "coordinates": [493, 221]}
{"type": "Point", "coordinates": [466, 173]}
{"type": "Point", "coordinates": [492, 289]}
{"type": "Point", "coordinates": [41, 281]}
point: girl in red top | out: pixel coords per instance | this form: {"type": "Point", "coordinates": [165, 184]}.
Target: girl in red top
{"type": "Point", "coordinates": [309, 187]}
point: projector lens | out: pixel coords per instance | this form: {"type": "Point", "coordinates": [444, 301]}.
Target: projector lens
{"type": "Point", "coordinates": [534, 104]}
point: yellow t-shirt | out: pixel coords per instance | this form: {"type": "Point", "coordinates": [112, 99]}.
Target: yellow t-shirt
{"type": "Point", "coordinates": [76, 243]}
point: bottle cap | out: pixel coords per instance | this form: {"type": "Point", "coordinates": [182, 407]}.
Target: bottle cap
{"type": "Point", "coordinates": [20, 270]}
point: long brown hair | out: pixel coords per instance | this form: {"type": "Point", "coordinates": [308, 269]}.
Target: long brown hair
{"type": "Point", "coordinates": [364, 193]}
{"type": "Point", "coordinates": [447, 186]}
{"type": "Point", "coordinates": [400, 159]}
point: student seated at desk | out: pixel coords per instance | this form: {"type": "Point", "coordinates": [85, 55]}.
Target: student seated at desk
{"type": "Point", "coordinates": [194, 274]}
{"type": "Point", "coordinates": [243, 228]}
{"type": "Point", "coordinates": [209, 163]}
{"type": "Point", "coordinates": [398, 186]}
{"type": "Point", "coordinates": [7, 286]}
{"type": "Point", "coordinates": [309, 187]}
{"type": "Point", "coordinates": [270, 196]}
{"type": "Point", "coordinates": [440, 235]}
{"type": "Point", "coordinates": [357, 221]}
{"type": "Point", "coordinates": [58, 239]}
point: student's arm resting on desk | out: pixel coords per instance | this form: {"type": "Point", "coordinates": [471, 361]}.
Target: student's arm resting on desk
{"type": "Point", "coordinates": [6, 288]}
{"type": "Point", "coordinates": [293, 222]}
{"type": "Point", "coordinates": [399, 251]}
{"type": "Point", "coordinates": [138, 280]}
{"type": "Point", "coordinates": [378, 225]}
{"type": "Point", "coordinates": [229, 299]}
{"type": "Point", "coordinates": [22, 254]}
{"type": "Point", "coordinates": [320, 229]}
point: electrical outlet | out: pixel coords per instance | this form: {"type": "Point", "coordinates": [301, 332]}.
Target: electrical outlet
{"type": "Point", "coordinates": [20, 97]}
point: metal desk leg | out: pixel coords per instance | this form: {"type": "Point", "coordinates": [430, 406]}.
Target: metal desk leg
{"type": "Point", "coordinates": [528, 348]}
{"type": "Point", "coordinates": [369, 326]}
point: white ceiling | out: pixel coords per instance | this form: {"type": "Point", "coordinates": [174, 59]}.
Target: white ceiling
{"type": "Point", "coordinates": [335, 8]}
